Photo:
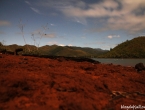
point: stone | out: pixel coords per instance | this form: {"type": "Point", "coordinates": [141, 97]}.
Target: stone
{"type": "Point", "coordinates": [18, 50]}
{"type": "Point", "coordinates": [139, 67]}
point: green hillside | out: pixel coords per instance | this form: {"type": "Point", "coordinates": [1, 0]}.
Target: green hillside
{"type": "Point", "coordinates": [91, 51]}
{"type": "Point", "coordinates": [70, 51]}
{"type": "Point", "coordinates": [134, 48]}
{"type": "Point", "coordinates": [54, 50]}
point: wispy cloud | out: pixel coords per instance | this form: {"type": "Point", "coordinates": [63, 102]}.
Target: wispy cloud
{"type": "Point", "coordinates": [4, 23]}
{"type": "Point", "coordinates": [125, 15]}
{"type": "Point", "coordinates": [80, 20]}
{"type": "Point", "coordinates": [40, 33]}
{"type": "Point", "coordinates": [55, 43]}
{"type": "Point", "coordinates": [35, 10]}
{"type": "Point", "coordinates": [69, 45]}
{"type": "Point", "coordinates": [52, 43]}
{"type": "Point", "coordinates": [61, 45]}
{"type": "Point", "coordinates": [28, 2]}
{"type": "Point", "coordinates": [118, 14]}
{"type": "Point", "coordinates": [52, 35]}
{"type": "Point", "coordinates": [52, 24]}
{"type": "Point", "coordinates": [32, 7]}
{"type": "Point", "coordinates": [113, 36]}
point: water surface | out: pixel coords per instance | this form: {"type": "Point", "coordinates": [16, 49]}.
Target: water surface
{"type": "Point", "coordinates": [124, 62]}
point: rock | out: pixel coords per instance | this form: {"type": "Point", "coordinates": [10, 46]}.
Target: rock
{"type": "Point", "coordinates": [139, 67]}
{"type": "Point", "coordinates": [3, 51]}
{"type": "Point", "coordinates": [18, 50]}
{"type": "Point", "coordinates": [9, 53]}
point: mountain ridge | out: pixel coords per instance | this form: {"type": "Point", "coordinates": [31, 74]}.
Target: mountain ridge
{"type": "Point", "coordinates": [55, 50]}
{"type": "Point", "coordinates": [134, 48]}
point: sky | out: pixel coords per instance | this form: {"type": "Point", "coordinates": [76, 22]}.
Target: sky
{"type": "Point", "coordinates": [85, 23]}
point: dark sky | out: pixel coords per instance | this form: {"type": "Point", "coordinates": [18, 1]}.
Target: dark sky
{"type": "Point", "coordinates": [85, 23]}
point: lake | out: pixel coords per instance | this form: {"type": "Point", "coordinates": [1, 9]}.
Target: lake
{"type": "Point", "coordinates": [124, 62]}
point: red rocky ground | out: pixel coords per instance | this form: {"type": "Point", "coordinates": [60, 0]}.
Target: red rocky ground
{"type": "Point", "coordinates": [31, 83]}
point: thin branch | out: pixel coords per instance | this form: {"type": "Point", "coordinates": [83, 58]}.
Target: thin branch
{"type": "Point", "coordinates": [41, 34]}
{"type": "Point", "coordinates": [21, 26]}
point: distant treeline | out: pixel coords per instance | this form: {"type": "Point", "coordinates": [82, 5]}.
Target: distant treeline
{"type": "Point", "coordinates": [134, 48]}
{"type": "Point", "coordinates": [54, 50]}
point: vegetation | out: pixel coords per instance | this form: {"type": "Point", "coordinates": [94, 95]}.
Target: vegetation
{"type": "Point", "coordinates": [70, 51]}
{"type": "Point", "coordinates": [55, 50]}
{"type": "Point", "coordinates": [21, 26]}
{"type": "Point", "coordinates": [134, 48]}
{"type": "Point", "coordinates": [32, 50]}
{"type": "Point", "coordinates": [1, 44]}
{"type": "Point", "coordinates": [2, 47]}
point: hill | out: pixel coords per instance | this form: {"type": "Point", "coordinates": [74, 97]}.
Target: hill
{"type": "Point", "coordinates": [134, 48]}
{"type": "Point", "coordinates": [71, 51]}
{"type": "Point", "coordinates": [54, 50]}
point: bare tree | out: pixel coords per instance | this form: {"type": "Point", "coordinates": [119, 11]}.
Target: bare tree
{"type": "Point", "coordinates": [33, 38]}
{"type": "Point", "coordinates": [21, 26]}
{"type": "Point", "coordinates": [43, 32]}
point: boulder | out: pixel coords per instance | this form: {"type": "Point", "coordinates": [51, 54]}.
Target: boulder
{"type": "Point", "coordinates": [139, 67]}
{"type": "Point", "coordinates": [18, 50]}
{"type": "Point", "coordinates": [2, 51]}
{"type": "Point", "coordinates": [9, 52]}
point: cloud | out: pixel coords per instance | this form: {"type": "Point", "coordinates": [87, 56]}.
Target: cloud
{"type": "Point", "coordinates": [125, 15]}
{"type": "Point", "coordinates": [55, 43]}
{"type": "Point", "coordinates": [59, 5]}
{"type": "Point", "coordinates": [52, 43]}
{"type": "Point", "coordinates": [64, 45]}
{"type": "Point", "coordinates": [52, 24]}
{"type": "Point", "coordinates": [52, 35]}
{"type": "Point", "coordinates": [35, 10]}
{"type": "Point", "coordinates": [28, 2]}
{"type": "Point", "coordinates": [41, 33]}
{"type": "Point", "coordinates": [113, 36]}
{"type": "Point", "coordinates": [118, 14]}
{"type": "Point", "coordinates": [69, 45]}
{"type": "Point", "coordinates": [32, 5]}
{"type": "Point", "coordinates": [94, 10]}
{"type": "Point", "coordinates": [61, 45]}
{"type": "Point", "coordinates": [106, 8]}
{"type": "Point", "coordinates": [110, 36]}
{"type": "Point", "coordinates": [80, 20]}
{"type": "Point", "coordinates": [4, 23]}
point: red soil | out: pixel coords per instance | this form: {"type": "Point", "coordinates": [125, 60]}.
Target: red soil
{"type": "Point", "coordinates": [31, 83]}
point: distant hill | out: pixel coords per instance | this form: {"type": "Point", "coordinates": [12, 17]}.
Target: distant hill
{"type": "Point", "coordinates": [54, 50]}
{"type": "Point", "coordinates": [134, 48]}
{"type": "Point", "coordinates": [71, 51]}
